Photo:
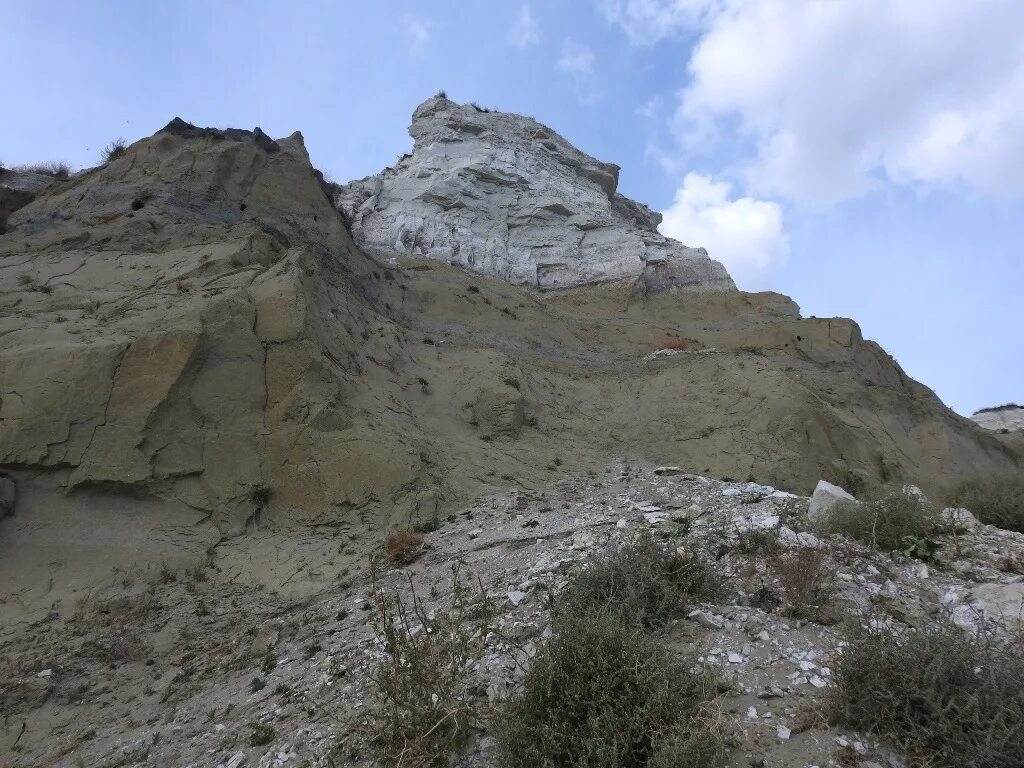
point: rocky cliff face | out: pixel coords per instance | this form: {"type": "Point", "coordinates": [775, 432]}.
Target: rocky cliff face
{"type": "Point", "coordinates": [504, 195]}
{"type": "Point", "coordinates": [194, 349]}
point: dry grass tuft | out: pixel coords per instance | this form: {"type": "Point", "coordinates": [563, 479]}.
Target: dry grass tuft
{"type": "Point", "coordinates": [402, 547]}
{"type": "Point", "coordinates": [997, 501]}
{"type": "Point", "coordinates": [806, 581]}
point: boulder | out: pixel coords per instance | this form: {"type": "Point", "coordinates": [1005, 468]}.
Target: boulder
{"type": "Point", "coordinates": [824, 498]}
{"type": "Point", "coordinates": [504, 195]}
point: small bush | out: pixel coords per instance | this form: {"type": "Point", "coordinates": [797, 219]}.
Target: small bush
{"type": "Point", "coordinates": [118, 645]}
{"type": "Point", "coordinates": [422, 714]}
{"type": "Point", "coordinates": [806, 581]}
{"type": "Point", "coordinates": [946, 697]}
{"type": "Point", "coordinates": [643, 582]}
{"type": "Point", "coordinates": [894, 522]}
{"type": "Point", "coordinates": [261, 735]}
{"type": "Point", "coordinates": [402, 547]}
{"type": "Point", "coordinates": [602, 694]}
{"type": "Point", "coordinates": [997, 501]}
{"type": "Point", "coordinates": [442, 94]}
{"type": "Point", "coordinates": [673, 342]}
{"type": "Point", "coordinates": [114, 150]}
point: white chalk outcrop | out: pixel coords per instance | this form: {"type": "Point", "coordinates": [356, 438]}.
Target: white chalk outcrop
{"type": "Point", "coordinates": [504, 195]}
{"type": "Point", "coordinates": [1002, 418]}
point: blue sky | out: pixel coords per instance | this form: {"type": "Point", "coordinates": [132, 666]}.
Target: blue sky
{"type": "Point", "coordinates": [865, 158]}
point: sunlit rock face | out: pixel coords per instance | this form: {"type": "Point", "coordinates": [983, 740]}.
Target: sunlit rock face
{"type": "Point", "coordinates": [504, 195]}
{"type": "Point", "coordinates": [1002, 418]}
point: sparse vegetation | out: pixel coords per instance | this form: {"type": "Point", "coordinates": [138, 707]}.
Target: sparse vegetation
{"type": "Point", "coordinates": [806, 582]}
{"type": "Point", "coordinates": [402, 547]}
{"type": "Point", "coordinates": [997, 501]}
{"type": "Point", "coordinates": [56, 169]}
{"type": "Point", "coordinates": [603, 694]}
{"type": "Point", "coordinates": [422, 713]}
{"type": "Point", "coordinates": [643, 582]}
{"type": "Point", "coordinates": [114, 149]}
{"type": "Point", "coordinates": [261, 735]}
{"type": "Point", "coordinates": [895, 521]}
{"type": "Point", "coordinates": [946, 697]}
{"type": "Point", "coordinates": [442, 94]}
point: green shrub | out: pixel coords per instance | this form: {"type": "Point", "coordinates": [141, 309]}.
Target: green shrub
{"type": "Point", "coordinates": [644, 582]}
{"type": "Point", "coordinates": [602, 694]}
{"type": "Point", "coordinates": [997, 501]}
{"type": "Point", "coordinates": [894, 522]}
{"type": "Point", "coordinates": [945, 697]}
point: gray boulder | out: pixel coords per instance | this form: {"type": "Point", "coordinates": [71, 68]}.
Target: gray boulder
{"type": "Point", "coordinates": [824, 498]}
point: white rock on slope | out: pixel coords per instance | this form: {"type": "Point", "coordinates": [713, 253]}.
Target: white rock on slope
{"type": "Point", "coordinates": [824, 498]}
{"type": "Point", "coordinates": [504, 195]}
{"type": "Point", "coordinates": [1009, 418]}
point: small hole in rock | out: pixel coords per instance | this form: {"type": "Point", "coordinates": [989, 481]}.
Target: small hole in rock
{"type": "Point", "coordinates": [241, 207]}
{"type": "Point", "coordinates": [137, 204]}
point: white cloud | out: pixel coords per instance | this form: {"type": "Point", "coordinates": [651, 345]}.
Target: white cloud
{"type": "Point", "coordinates": [525, 31]}
{"type": "Point", "coordinates": [576, 59]}
{"type": "Point", "coordinates": [577, 63]}
{"type": "Point", "coordinates": [744, 234]}
{"type": "Point", "coordinates": [648, 21]}
{"type": "Point", "coordinates": [417, 32]}
{"type": "Point", "coordinates": [837, 97]}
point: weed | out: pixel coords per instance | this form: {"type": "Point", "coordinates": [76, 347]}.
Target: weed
{"type": "Point", "coordinates": [269, 663]}
{"type": "Point", "coordinates": [422, 714]}
{"type": "Point", "coordinates": [946, 697]}
{"type": "Point", "coordinates": [893, 522]}
{"type": "Point", "coordinates": [604, 694]}
{"type": "Point", "coordinates": [643, 582]}
{"type": "Point", "coordinates": [261, 735]}
{"type": "Point", "coordinates": [806, 581]}
{"type": "Point", "coordinates": [764, 543]}
{"type": "Point", "coordinates": [257, 684]}
{"type": "Point", "coordinates": [118, 645]}
{"type": "Point", "coordinates": [311, 650]}
{"type": "Point", "coordinates": [442, 94]}
{"type": "Point", "coordinates": [282, 690]}
{"type": "Point", "coordinates": [402, 547]}
{"type": "Point", "coordinates": [114, 150]}
{"type": "Point", "coordinates": [997, 501]}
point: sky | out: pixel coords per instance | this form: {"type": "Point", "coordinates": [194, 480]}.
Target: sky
{"type": "Point", "coordinates": [865, 158]}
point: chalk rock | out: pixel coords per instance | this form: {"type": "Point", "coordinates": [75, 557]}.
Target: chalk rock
{"type": "Point", "coordinates": [504, 195]}
{"type": "Point", "coordinates": [824, 498]}
{"type": "Point", "coordinates": [1009, 418]}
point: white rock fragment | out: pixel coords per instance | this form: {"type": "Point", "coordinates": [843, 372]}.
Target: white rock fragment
{"type": "Point", "coordinates": [516, 597]}
{"type": "Point", "coordinates": [475, 533]}
{"type": "Point", "coordinates": [668, 471]}
{"type": "Point", "coordinates": [735, 658]}
{"type": "Point", "coordinates": [45, 673]}
{"type": "Point", "coordinates": [783, 733]}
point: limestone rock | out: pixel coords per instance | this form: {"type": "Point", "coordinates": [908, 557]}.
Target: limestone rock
{"type": "Point", "coordinates": [17, 189]}
{"type": "Point", "coordinates": [825, 497]}
{"type": "Point", "coordinates": [502, 194]}
{"type": "Point", "coordinates": [1003, 418]}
